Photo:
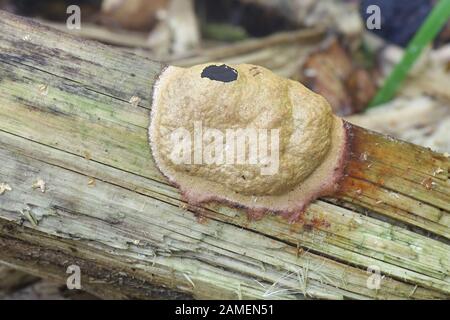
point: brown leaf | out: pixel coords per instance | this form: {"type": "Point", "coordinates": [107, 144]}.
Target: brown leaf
{"type": "Point", "coordinates": [361, 88]}
{"type": "Point", "coordinates": [131, 14]}
{"type": "Point", "coordinates": [331, 73]}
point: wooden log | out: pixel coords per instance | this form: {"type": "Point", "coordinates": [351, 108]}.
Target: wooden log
{"type": "Point", "coordinates": [283, 52]}
{"type": "Point", "coordinates": [66, 120]}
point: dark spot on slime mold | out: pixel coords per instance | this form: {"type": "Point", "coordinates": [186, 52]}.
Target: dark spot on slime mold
{"type": "Point", "coordinates": [221, 73]}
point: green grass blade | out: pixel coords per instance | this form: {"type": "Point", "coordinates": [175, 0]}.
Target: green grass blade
{"type": "Point", "coordinates": [427, 32]}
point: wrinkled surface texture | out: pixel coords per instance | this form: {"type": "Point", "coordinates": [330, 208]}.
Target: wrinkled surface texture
{"type": "Point", "coordinates": [257, 99]}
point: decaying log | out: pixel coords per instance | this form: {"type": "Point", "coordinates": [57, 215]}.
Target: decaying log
{"type": "Point", "coordinates": [74, 116]}
{"type": "Point", "coordinates": [290, 48]}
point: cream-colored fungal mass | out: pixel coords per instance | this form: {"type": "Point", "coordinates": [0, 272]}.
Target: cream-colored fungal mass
{"type": "Point", "coordinates": [241, 134]}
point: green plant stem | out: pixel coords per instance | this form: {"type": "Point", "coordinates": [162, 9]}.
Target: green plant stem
{"type": "Point", "coordinates": [427, 32]}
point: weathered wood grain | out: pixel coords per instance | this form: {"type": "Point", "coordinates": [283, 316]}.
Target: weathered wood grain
{"type": "Point", "coordinates": [400, 180]}
{"type": "Point", "coordinates": [65, 118]}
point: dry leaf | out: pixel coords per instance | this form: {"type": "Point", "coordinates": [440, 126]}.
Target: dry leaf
{"type": "Point", "coordinates": [132, 14]}
{"type": "Point", "coordinates": [331, 73]}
